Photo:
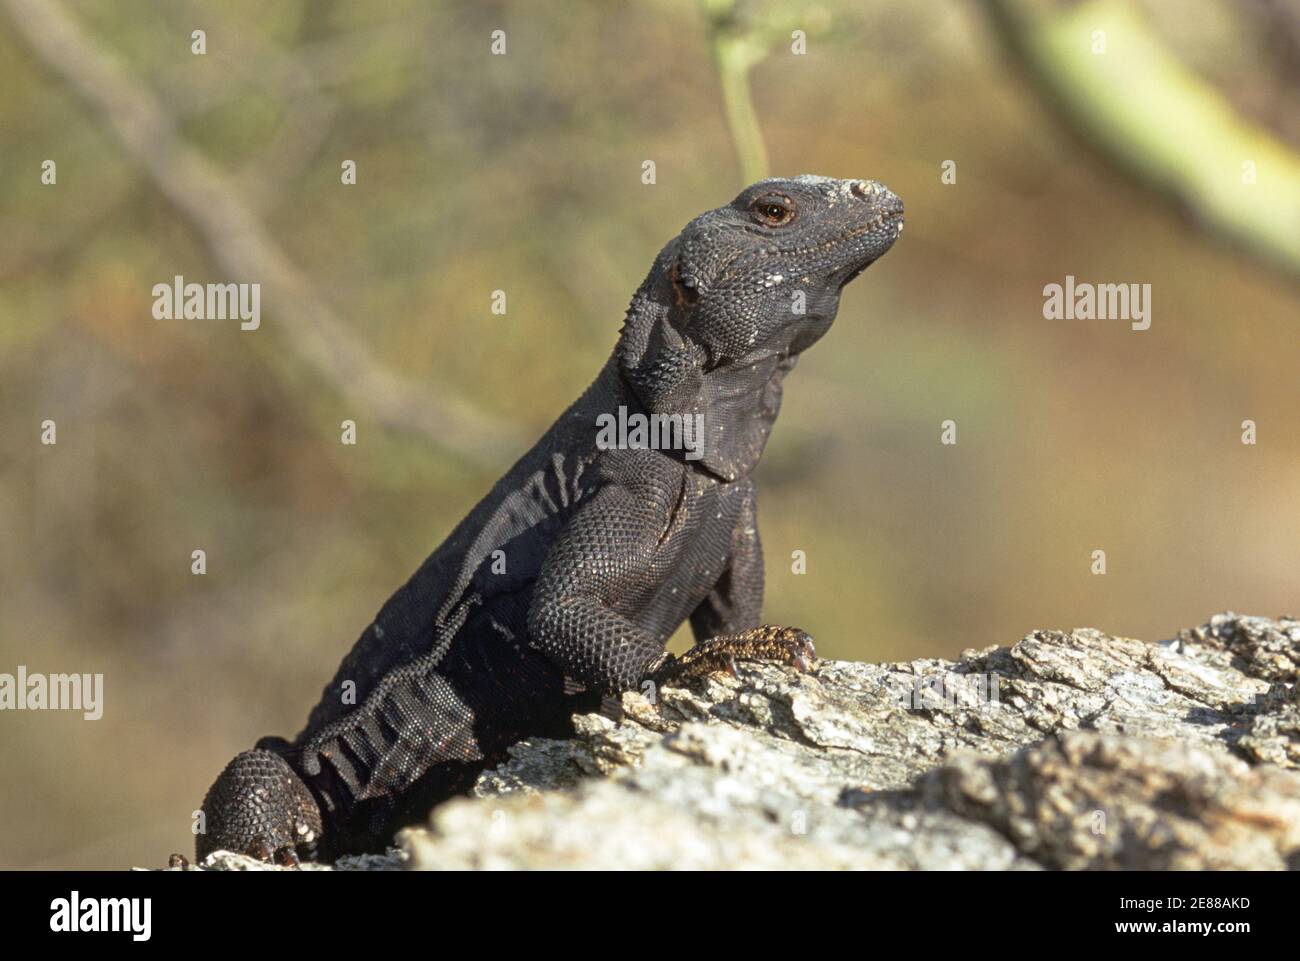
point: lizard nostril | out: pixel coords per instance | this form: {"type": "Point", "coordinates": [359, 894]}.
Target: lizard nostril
{"type": "Point", "coordinates": [877, 194]}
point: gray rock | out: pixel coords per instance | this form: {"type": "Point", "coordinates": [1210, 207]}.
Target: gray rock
{"type": "Point", "coordinates": [1067, 750]}
{"type": "Point", "coordinates": [394, 860]}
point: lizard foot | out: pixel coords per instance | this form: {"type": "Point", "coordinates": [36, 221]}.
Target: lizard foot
{"type": "Point", "coordinates": [783, 645]}
{"type": "Point", "coordinates": [260, 807]}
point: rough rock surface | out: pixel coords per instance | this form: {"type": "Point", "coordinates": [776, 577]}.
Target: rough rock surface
{"type": "Point", "coordinates": [1066, 750]}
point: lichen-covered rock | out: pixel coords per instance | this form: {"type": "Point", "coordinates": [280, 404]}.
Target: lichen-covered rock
{"type": "Point", "coordinates": [394, 860]}
{"type": "Point", "coordinates": [1086, 800]}
{"type": "Point", "coordinates": [1067, 750]}
{"type": "Point", "coordinates": [1258, 646]}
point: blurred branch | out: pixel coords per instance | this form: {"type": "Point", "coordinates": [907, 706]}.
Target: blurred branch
{"type": "Point", "coordinates": [308, 113]}
{"type": "Point", "coordinates": [1157, 122]}
{"type": "Point", "coordinates": [245, 250]}
{"type": "Point", "coordinates": [244, 60]}
{"type": "Point", "coordinates": [736, 49]}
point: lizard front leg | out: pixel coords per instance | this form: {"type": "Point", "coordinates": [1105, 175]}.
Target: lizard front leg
{"type": "Point", "coordinates": [736, 602]}
{"type": "Point", "coordinates": [726, 623]}
{"type": "Point", "coordinates": [606, 559]}
{"type": "Point", "coordinates": [604, 555]}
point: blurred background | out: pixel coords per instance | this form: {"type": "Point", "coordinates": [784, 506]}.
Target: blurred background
{"type": "Point", "coordinates": [523, 172]}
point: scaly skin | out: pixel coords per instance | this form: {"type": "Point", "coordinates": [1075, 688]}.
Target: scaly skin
{"type": "Point", "coordinates": [582, 560]}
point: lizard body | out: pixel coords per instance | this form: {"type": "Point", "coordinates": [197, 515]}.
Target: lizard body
{"type": "Point", "coordinates": [582, 560]}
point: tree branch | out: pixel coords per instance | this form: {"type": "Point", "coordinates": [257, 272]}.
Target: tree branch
{"type": "Point", "coordinates": [1152, 119]}
{"type": "Point", "coordinates": [244, 249]}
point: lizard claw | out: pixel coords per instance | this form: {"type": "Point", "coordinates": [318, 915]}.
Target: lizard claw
{"type": "Point", "coordinates": [286, 856]}
{"type": "Point", "coordinates": [771, 642]}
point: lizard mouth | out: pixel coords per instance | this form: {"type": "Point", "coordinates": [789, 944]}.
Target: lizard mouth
{"type": "Point", "coordinates": [889, 217]}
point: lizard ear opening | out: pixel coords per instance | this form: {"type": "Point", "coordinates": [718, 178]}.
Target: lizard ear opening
{"type": "Point", "coordinates": [657, 356]}
{"type": "Point", "coordinates": [662, 366]}
{"type": "Point", "coordinates": [685, 291]}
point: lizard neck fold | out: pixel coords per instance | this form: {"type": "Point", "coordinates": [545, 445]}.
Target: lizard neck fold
{"type": "Point", "coordinates": [734, 403]}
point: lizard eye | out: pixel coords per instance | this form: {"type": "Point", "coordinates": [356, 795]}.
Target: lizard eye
{"type": "Point", "coordinates": [773, 210]}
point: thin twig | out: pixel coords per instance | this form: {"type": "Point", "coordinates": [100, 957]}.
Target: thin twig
{"type": "Point", "coordinates": [246, 251]}
{"type": "Point", "coordinates": [735, 52]}
{"type": "Point", "coordinates": [1154, 120]}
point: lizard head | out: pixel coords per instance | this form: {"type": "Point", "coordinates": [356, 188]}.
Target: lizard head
{"type": "Point", "coordinates": [739, 294]}
{"type": "Point", "coordinates": [763, 274]}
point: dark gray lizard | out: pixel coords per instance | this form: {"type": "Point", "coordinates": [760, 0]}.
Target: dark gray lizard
{"type": "Point", "coordinates": [564, 583]}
